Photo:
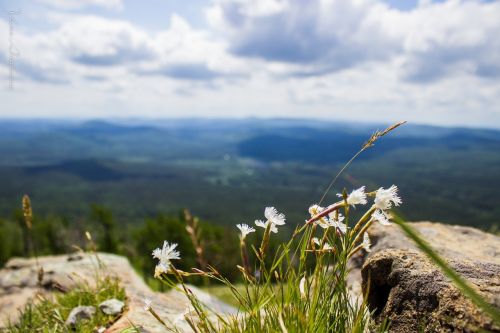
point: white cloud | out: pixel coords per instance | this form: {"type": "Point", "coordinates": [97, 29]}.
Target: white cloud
{"type": "Point", "coordinates": [356, 59]}
{"type": "Point", "coordinates": [452, 38]}
{"type": "Point", "coordinates": [97, 48]}
{"type": "Point", "coordinates": [79, 4]}
{"type": "Point", "coordinates": [323, 36]}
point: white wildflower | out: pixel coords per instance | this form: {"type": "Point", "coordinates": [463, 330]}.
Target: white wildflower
{"type": "Point", "coordinates": [381, 217]}
{"type": "Point", "coordinates": [323, 222]}
{"type": "Point", "coordinates": [147, 304]}
{"type": "Point", "coordinates": [366, 242]}
{"type": "Point", "coordinates": [315, 210]}
{"type": "Point", "coordinates": [165, 255]}
{"type": "Point", "coordinates": [326, 246]}
{"type": "Point", "coordinates": [245, 230]}
{"type": "Point", "coordinates": [332, 221]}
{"type": "Point", "coordinates": [302, 287]}
{"type": "Point", "coordinates": [334, 218]}
{"type": "Point", "coordinates": [264, 225]}
{"type": "Point", "coordinates": [160, 269]}
{"type": "Point", "coordinates": [273, 218]}
{"type": "Point", "coordinates": [357, 197]}
{"type": "Point", "coordinates": [386, 197]}
{"type": "Point", "coordinates": [272, 215]}
{"type": "Point", "coordinates": [336, 222]}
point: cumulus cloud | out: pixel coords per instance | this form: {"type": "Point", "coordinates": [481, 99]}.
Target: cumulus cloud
{"type": "Point", "coordinates": [78, 47]}
{"type": "Point", "coordinates": [452, 38]}
{"type": "Point", "coordinates": [321, 36]}
{"type": "Point", "coordinates": [186, 53]}
{"type": "Point", "coordinates": [87, 47]}
{"type": "Point", "coordinates": [344, 58]}
{"type": "Point", "coordinates": [433, 40]}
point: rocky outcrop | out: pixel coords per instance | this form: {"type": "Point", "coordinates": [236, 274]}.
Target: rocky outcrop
{"type": "Point", "coordinates": [19, 285]}
{"type": "Point", "coordinates": [403, 286]}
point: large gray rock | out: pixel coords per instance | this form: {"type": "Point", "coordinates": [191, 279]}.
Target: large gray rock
{"type": "Point", "coordinates": [19, 285]}
{"type": "Point", "coordinates": [403, 286]}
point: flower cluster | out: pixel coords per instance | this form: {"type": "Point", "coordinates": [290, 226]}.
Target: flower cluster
{"type": "Point", "coordinates": [343, 244]}
{"type": "Point", "coordinates": [333, 219]}
{"type": "Point", "coordinates": [384, 200]}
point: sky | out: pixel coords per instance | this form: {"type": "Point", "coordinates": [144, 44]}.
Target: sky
{"type": "Point", "coordinates": [432, 62]}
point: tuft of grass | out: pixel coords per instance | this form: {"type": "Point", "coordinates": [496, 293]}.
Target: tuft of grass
{"type": "Point", "coordinates": [48, 315]}
{"type": "Point", "coordinates": [302, 285]}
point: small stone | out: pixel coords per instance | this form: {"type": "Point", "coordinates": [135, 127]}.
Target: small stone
{"type": "Point", "coordinates": [75, 256]}
{"type": "Point", "coordinates": [80, 313]}
{"type": "Point", "coordinates": [112, 307]}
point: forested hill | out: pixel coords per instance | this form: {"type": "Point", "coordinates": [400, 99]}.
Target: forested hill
{"type": "Point", "coordinates": [227, 171]}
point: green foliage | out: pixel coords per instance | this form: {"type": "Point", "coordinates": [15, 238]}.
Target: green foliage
{"type": "Point", "coordinates": [445, 175]}
{"type": "Point", "coordinates": [10, 244]}
{"type": "Point", "coordinates": [153, 232]}
{"type": "Point", "coordinates": [48, 315]}
{"type": "Point", "coordinates": [219, 243]}
{"type": "Point", "coordinates": [52, 235]}
{"type": "Point", "coordinates": [104, 218]}
{"type": "Point", "coordinates": [301, 288]}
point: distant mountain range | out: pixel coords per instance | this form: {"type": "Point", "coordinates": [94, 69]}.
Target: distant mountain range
{"type": "Point", "coordinates": [141, 167]}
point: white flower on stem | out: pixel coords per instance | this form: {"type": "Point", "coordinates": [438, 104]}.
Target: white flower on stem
{"type": "Point", "coordinates": [366, 244]}
{"type": "Point", "coordinates": [323, 222]}
{"type": "Point", "coordinates": [165, 255]}
{"type": "Point", "coordinates": [160, 269]}
{"type": "Point", "coordinates": [336, 222]}
{"type": "Point", "coordinates": [381, 217]}
{"type": "Point", "coordinates": [273, 218]}
{"type": "Point", "coordinates": [326, 246]}
{"type": "Point", "coordinates": [245, 230]}
{"type": "Point", "coordinates": [385, 198]}
{"type": "Point", "coordinates": [315, 210]}
{"type": "Point", "coordinates": [147, 304]}
{"type": "Point", "coordinates": [302, 287]}
{"type": "Point", "coordinates": [264, 225]}
{"type": "Point", "coordinates": [357, 197]}
{"type": "Point", "coordinates": [272, 215]}
{"type": "Point", "coordinates": [167, 252]}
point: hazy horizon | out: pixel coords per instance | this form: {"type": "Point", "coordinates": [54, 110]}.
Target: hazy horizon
{"type": "Point", "coordinates": [129, 121]}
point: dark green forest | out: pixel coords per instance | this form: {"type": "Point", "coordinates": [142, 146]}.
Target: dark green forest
{"type": "Point", "coordinates": [128, 181]}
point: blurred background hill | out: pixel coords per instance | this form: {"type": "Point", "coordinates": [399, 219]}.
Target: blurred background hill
{"type": "Point", "coordinates": [226, 171]}
{"type": "Point", "coordinates": [128, 181]}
